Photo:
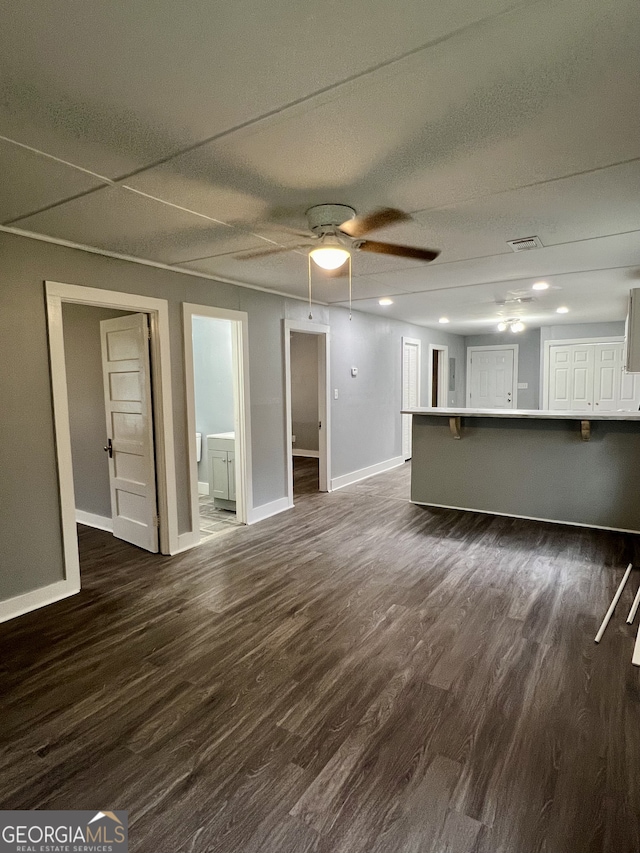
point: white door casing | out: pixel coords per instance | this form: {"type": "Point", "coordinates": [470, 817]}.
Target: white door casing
{"type": "Point", "coordinates": [411, 355]}
{"type": "Point", "coordinates": [129, 420]}
{"type": "Point", "coordinates": [443, 373]}
{"type": "Point", "coordinates": [492, 377]}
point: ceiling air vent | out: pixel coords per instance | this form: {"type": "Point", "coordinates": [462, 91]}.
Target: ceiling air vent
{"type": "Point", "coordinates": [524, 244]}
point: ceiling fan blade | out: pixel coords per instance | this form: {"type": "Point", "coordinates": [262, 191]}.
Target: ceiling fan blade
{"type": "Point", "coordinates": [362, 225]}
{"type": "Point", "coordinates": [399, 251]}
{"type": "Point", "coordinates": [263, 253]}
{"type": "Point", "coordinates": [274, 226]}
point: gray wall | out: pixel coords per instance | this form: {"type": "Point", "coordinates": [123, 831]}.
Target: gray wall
{"type": "Point", "coordinates": [366, 425]}
{"type": "Point", "coordinates": [528, 360]}
{"type": "Point", "coordinates": [581, 330]}
{"type": "Point", "coordinates": [213, 381]}
{"type": "Point", "coordinates": [304, 390]}
{"type": "Point", "coordinates": [366, 418]}
{"type": "Point", "coordinates": [87, 420]}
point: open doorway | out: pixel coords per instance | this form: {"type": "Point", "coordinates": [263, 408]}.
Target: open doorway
{"type": "Point", "coordinates": [215, 342]}
{"type": "Point", "coordinates": [307, 407]}
{"type": "Point", "coordinates": [153, 314]}
{"type": "Point", "coordinates": [438, 384]}
{"type": "Point", "coordinates": [107, 363]}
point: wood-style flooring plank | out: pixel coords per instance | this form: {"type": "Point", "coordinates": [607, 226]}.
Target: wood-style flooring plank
{"type": "Point", "coordinates": [357, 675]}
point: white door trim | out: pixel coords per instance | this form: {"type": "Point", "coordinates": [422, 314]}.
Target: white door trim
{"type": "Point", "coordinates": [416, 342]}
{"type": "Point", "coordinates": [241, 411]}
{"type": "Point", "coordinates": [158, 311]}
{"type": "Point", "coordinates": [324, 401]}
{"type": "Point", "coordinates": [443, 374]}
{"type": "Point", "coordinates": [514, 389]}
{"type": "Point", "coordinates": [546, 358]}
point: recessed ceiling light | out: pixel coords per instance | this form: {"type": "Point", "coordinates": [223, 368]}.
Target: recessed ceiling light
{"type": "Point", "coordinates": [562, 310]}
{"type": "Point", "coordinates": [540, 285]}
{"type": "Point", "coordinates": [385, 301]}
{"type": "Point", "coordinates": [444, 320]}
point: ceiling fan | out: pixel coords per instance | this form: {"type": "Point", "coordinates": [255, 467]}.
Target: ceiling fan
{"type": "Point", "coordinates": [336, 231]}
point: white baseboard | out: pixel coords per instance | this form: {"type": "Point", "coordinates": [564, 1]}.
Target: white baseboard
{"type": "Point", "coordinates": [203, 488]}
{"type": "Point", "coordinates": [313, 454]}
{"type": "Point", "coordinates": [259, 513]}
{"type": "Point", "coordinates": [364, 473]}
{"type": "Point", "coordinates": [186, 541]}
{"type": "Point", "coordinates": [21, 604]}
{"type": "Point", "coordinates": [101, 522]}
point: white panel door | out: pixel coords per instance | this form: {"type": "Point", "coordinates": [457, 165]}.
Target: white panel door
{"type": "Point", "coordinates": [607, 378]}
{"type": "Point", "coordinates": [491, 379]}
{"type": "Point", "coordinates": [572, 377]}
{"type": "Point", "coordinates": [127, 397]}
{"type": "Point", "coordinates": [629, 397]}
{"type": "Point", "coordinates": [410, 389]}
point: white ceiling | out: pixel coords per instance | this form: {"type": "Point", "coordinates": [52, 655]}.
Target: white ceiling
{"type": "Point", "coordinates": [188, 133]}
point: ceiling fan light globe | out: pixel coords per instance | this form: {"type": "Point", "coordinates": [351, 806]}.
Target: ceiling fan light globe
{"type": "Point", "coordinates": [329, 257]}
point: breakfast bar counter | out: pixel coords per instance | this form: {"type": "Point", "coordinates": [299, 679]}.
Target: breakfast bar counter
{"type": "Point", "coordinates": [568, 467]}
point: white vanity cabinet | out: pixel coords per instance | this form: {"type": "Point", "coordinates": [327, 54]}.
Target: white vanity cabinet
{"type": "Point", "coordinates": [222, 469]}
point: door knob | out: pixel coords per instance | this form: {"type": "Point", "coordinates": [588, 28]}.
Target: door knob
{"type": "Point", "coordinates": [109, 448]}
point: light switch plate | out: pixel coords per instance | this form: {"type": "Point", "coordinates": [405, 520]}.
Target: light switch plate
{"type": "Point", "coordinates": [522, 386]}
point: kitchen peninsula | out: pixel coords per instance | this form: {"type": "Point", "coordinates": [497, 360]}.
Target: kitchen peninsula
{"type": "Point", "coordinates": [567, 467]}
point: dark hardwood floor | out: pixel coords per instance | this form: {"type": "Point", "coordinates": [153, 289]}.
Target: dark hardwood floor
{"type": "Point", "coordinates": [355, 675]}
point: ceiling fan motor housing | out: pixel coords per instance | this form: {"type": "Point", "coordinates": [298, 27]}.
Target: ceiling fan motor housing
{"type": "Point", "coordinates": [327, 218]}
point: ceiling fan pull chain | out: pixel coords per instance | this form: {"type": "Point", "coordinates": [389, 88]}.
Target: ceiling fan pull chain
{"type": "Point", "coordinates": [349, 287]}
{"type": "Point", "coordinates": [310, 314]}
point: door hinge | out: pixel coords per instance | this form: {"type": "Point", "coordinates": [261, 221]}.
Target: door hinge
{"type": "Point", "coordinates": [148, 333]}
{"type": "Point", "coordinates": [156, 521]}
{"type": "Point", "coordinates": [319, 424]}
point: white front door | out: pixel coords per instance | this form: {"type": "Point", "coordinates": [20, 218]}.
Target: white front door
{"type": "Point", "coordinates": [127, 398]}
{"type": "Point", "coordinates": [491, 378]}
{"type": "Point", "coordinates": [410, 388]}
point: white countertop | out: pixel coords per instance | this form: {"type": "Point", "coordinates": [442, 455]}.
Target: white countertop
{"type": "Point", "coordinates": [230, 435]}
{"type": "Point", "coordinates": [541, 414]}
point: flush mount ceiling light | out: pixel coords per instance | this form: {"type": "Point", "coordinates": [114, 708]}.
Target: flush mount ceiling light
{"type": "Point", "coordinates": [562, 310]}
{"type": "Point", "coordinates": [385, 301]}
{"type": "Point", "coordinates": [444, 320]}
{"type": "Point", "coordinates": [541, 285]}
{"type": "Point", "coordinates": [514, 325]}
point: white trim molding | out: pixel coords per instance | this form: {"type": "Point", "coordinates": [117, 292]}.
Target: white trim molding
{"type": "Point", "coordinates": [443, 374]}
{"type": "Point", "coordinates": [365, 473]}
{"type": "Point", "coordinates": [203, 488]}
{"type": "Point", "coordinates": [28, 601]}
{"type": "Point", "coordinates": [259, 513]}
{"type": "Point", "coordinates": [100, 522]}
{"type": "Point", "coordinates": [312, 454]}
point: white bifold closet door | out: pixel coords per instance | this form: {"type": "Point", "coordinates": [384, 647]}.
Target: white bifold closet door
{"type": "Point", "coordinates": [128, 406]}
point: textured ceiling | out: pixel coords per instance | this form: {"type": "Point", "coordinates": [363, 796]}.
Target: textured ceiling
{"type": "Point", "coordinates": [187, 134]}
